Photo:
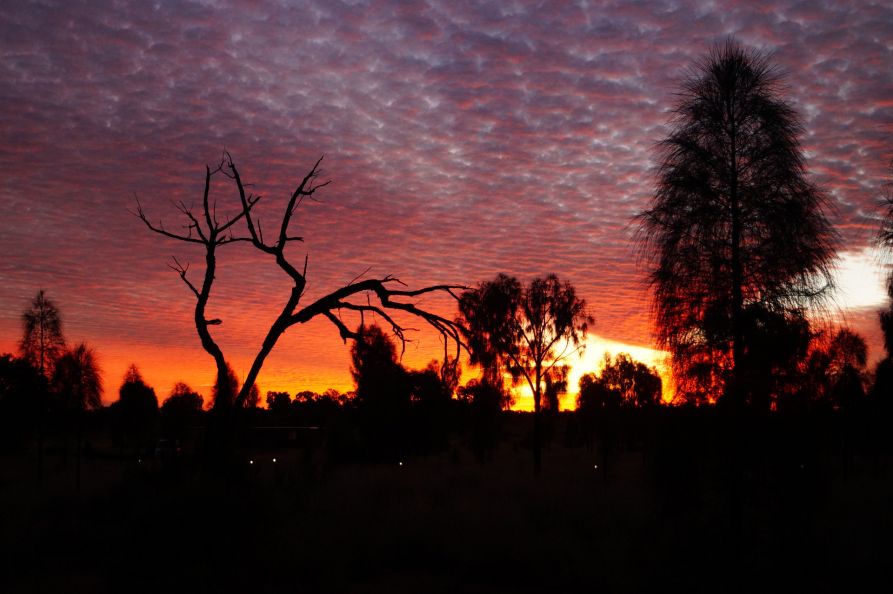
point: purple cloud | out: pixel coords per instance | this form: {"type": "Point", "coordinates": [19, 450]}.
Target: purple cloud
{"type": "Point", "coordinates": [463, 139]}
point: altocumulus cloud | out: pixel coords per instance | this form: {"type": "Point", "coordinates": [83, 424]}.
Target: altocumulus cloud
{"type": "Point", "coordinates": [463, 139]}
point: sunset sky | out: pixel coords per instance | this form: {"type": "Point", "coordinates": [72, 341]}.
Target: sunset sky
{"type": "Point", "coordinates": [462, 139]}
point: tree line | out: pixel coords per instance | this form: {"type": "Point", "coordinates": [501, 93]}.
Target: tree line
{"type": "Point", "coordinates": [393, 410]}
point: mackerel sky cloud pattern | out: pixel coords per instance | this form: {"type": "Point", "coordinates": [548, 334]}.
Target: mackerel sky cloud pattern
{"type": "Point", "coordinates": [462, 138]}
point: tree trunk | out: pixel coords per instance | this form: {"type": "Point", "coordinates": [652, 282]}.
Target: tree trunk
{"type": "Point", "coordinates": [537, 425]}
{"type": "Point", "coordinates": [41, 421]}
{"type": "Point", "coordinates": [77, 450]}
{"type": "Point", "coordinates": [736, 391]}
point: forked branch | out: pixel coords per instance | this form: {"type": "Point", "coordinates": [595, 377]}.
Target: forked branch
{"type": "Point", "coordinates": [383, 297]}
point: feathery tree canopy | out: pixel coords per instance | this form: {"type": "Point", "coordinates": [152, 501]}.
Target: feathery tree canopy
{"type": "Point", "coordinates": [735, 224]}
{"type": "Point", "coordinates": [42, 341]}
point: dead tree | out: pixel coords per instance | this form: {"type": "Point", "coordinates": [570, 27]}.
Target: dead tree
{"type": "Point", "coordinates": [384, 297]}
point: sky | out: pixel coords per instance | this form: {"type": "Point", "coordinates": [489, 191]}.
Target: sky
{"type": "Point", "coordinates": [462, 139]}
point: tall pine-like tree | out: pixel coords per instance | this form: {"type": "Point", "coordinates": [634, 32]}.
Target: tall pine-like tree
{"type": "Point", "coordinates": [735, 225]}
{"type": "Point", "coordinates": [42, 341]}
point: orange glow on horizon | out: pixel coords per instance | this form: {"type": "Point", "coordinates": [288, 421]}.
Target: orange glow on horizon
{"type": "Point", "coordinates": [313, 357]}
{"type": "Point", "coordinates": [592, 362]}
{"type": "Point", "coordinates": [285, 371]}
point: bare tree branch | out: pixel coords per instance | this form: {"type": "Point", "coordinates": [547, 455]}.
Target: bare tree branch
{"type": "Point", "coordinates": [181, 270]}
{"type": "Point", "coordinates": [160, 227]}
{"type": "Point", "coordinates": [385, 297]}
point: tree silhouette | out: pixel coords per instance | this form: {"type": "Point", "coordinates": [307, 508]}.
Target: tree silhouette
{"type": "Point", "coordinates": [374, 365]}
{"type": "Point", "coordinates": [636, 383]}
{"type": "Point", "coordinates": [777, 348]}
{"type": "Point", "coordinates": [78, 383]}
{"type": "Point", "coordinates": [883, 387]}
{"type": "Point", "coordinates": [279, 403]}
{"type": "Point", "coordinates": [554, 385]}
{"type": "Point", "coordinates": [135, 392]}
{"type": "Point", "coordinates": [883, 384]}
{"type": "Point", "coordinates": [306, 396]}
{"type": "Point", "coordinates": [77, 379]}
{"type": "Point", "coordinates": [430, 401]}
{"type": "Point", "coordinates": [179, 410]}
{"type": "Point", "coordinates": [885, 231]}
{"type": "Point", "coordinates": [847, 357]}
{"type": "Point", "coordinates": [595, 394]}
{"type": "Point", "coordinates": [816, 383]}
{"type": "Point", "coordinates": [598, 406]}
{"type": "Point", "coordinates": [136, 409]}
{"type": "Point", "coordinates": [253, 396]}
{"type": "Point", "coordinates": [526, 331]}
{"type": "Point", "coordinates": [225, 388]}
{"type": "Point", "coordinates": [23, 396]}
{"type": "Point", "coordinates": [486, 315]}
{"type": "Point", "coordinates": [487, 403]}
{"type": "Point", "coordinates": [383, 390]}
{"type": "Point", "coordinates": [42, 341]}
{"type": "Point", "coordinates": [834, 372]}
{"type": "Point", "coordinates": [381, 296]}
{"type": "Point", "coordinates": [734, 220]}
{"type": "Point", "coordinates": [182, 397]}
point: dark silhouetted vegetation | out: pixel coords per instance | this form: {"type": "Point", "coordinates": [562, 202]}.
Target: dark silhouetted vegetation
{"type": "Point", "coordinates": [619, 400]}
{"type": "Point", "coordinates": [24, 399]}
{"type": "Point", "coordinates": [278, 403]}
{"type": "Point", "coordinates": [42, 340]}
{"type": "Point", "coordinates": [77, 384]}
{"type": "Point", "coordinates": [381, 296]}
{"type": "Point", "coordinates": [181, 410]}
{"type": "Point", "coordinates": [399, 412]}
{"type": "Point", "coordinates": [528, 332]}
{"type": "Point", "coordinates": [135, 412]}
{"type": "Point", "coordinates": [736, 231]}
{"type": "Point", "coordinates": [77, 380]}
{"type": "Point", "coordinates": [383, 392]}
{"type": "Point", "coordinates": [485, 404]}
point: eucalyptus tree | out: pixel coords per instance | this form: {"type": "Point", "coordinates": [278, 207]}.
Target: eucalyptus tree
{"type": "Point", "coordinates": [735, 223]}
{"type": "Point", "coordinates": [637, 384]}
{"type": "Point", "coordinates": [525, 332]}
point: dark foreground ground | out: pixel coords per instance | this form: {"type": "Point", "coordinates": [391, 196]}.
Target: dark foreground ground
{"type": "Point", "coordinates": [444, 523]}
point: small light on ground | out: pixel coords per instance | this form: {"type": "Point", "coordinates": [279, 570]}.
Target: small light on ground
{"type": "Point", "coordinates": [595, 466]}
{"type": "Point", "coordinates": [274, 460]}
{"type": "Point", "coordinates": [400, 463]}
{"type": "Point", "coordinates": [251, 461]}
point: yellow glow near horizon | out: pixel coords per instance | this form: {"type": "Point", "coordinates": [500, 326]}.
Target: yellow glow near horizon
{"type": "Point", "coordinates": [861, 279]}
{"type": "Point", "coordinates": [197, 369]}
{"type": "Point", "coordinates": [591, 362]}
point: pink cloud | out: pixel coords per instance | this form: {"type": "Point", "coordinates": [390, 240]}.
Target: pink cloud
{"type": "Point", "coordinates": [462, 140]}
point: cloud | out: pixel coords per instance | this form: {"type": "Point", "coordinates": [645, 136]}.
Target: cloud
{"type": "Point", "coordinates": [463, 139]}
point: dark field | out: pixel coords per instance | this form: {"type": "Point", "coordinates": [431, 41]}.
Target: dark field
{"type": "Point", "coordinates": [659, 521]}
